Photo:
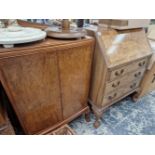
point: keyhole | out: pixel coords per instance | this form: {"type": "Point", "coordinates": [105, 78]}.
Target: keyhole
{"type": "Point", "coordinates": [153, 78]}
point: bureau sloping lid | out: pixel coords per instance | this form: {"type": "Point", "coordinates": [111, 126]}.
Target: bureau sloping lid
{"type": "Point", "coordinates": [120, 48]}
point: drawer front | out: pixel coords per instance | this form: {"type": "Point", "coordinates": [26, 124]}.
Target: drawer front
{"type": "Point", "coordinates": [128, 68]}
{"type": "Point", "coordinates": [108, 98]}
{"type": "Point", "coordinates": [116, 84]}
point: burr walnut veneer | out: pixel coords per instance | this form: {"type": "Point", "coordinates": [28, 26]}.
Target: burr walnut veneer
{"type": "Point", "coordinates": [119, 63]}
{"type": "Point", "coordinates": [47, 82]}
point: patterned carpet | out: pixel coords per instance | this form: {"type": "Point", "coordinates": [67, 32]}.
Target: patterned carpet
{"type": "Point", "coordinates": [123, 118]}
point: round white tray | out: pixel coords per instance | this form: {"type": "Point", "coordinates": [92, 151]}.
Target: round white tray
{"type": "Point", "coordinates": [18, 35]}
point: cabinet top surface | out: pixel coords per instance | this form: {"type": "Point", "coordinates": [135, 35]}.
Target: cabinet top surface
{"type": "Point", "coordinates": [48, 42]}
{"type": "Point", "coordinates": [123, 47]}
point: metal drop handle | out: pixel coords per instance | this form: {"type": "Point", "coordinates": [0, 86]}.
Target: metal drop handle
{"type": "Point", "coordinates": [111, 97]}
{"type": "Point", "coordinates": [118, 73]}
{"type": "Point", "coordinates": [114, 85]}
{"type": "Point", "coordinates": [137, 74]}
{"type": "Point", "coordinates": [133, 85]}
{"type": "Point", "coordinates": [141, 64]}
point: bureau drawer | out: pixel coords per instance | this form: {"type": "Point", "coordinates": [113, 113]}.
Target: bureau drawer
{"type": "Point", "coordinates": [128, 68]}
{"type": "Point", "coordinates": [116, 84]}
{"type": "Point", "coordinates": [108, 98]}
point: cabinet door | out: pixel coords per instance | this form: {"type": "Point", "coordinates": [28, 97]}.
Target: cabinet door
{"type": "Point", "coordinates": [2, 119]}
{"type": "Point", "coordinates": [5, 125]}
{"type": "Point", "coordinates": [2, 112]}
{"type": "Point", "coordinates": [74, 64]}
{"type": "Point", "coordinates": [32, 84]}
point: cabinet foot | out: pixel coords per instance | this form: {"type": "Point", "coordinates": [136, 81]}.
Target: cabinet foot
{"type": "Point", "coordinates": [87, 116]}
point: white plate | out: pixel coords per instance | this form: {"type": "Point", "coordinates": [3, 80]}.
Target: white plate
{"type": "Point", "coordinates": [17, 35]}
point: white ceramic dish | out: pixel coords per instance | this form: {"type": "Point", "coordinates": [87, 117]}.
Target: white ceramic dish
{"type": "Point", "coordinates": [18, 35]}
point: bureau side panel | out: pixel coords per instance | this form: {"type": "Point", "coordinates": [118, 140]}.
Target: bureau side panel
{"type": "Point", "coordinates": [97, 77]}
{"type": "Point", "coordinates": [148, 82]}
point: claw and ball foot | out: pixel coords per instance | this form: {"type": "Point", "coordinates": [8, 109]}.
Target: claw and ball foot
{"type": "Point", "coordinates": [96, 123]}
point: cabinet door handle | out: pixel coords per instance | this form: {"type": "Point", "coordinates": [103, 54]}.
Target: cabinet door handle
{"type": "Point", "coordinates": [118, 73]}
{"type": "Point", "coordinates": [112, 97]}
{"type": "Point", "coordinates": [137, 74]}
{"type": "Point", "coordinates": [133, 85]}
{"type": "Point", "coordinates": [141, 64]}
{"type": "Point", "coordinates": [114, 85]}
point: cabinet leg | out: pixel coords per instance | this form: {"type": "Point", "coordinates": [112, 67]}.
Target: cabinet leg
{"type": "Point", "coordinates": [87, 116]}
{"type": "Point", "coordinates": [98, 112]}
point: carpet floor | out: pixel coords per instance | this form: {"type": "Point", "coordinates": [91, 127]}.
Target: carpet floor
{"type": "Point", "coordinates": [123, 118]}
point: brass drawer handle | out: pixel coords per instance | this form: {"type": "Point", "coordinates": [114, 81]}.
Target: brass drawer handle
{"type": "Point", "coordinates": [118, 73]}
{"type": "Point", "coordinates": [141, 64]}
{"type": "Point", "coordinates": [137, 74]}
{"type": "Point", "coordinates": [112, 97]}
{"type": "Point", "coordinates": [133, 85]}
{"type": "Point", "coordinates": [114, 85]}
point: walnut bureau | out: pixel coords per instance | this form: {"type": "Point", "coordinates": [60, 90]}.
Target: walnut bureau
{"type": "Point", "coordinates": [119, 63]}
{"type": "Point", "coordinates": [47, 82]}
